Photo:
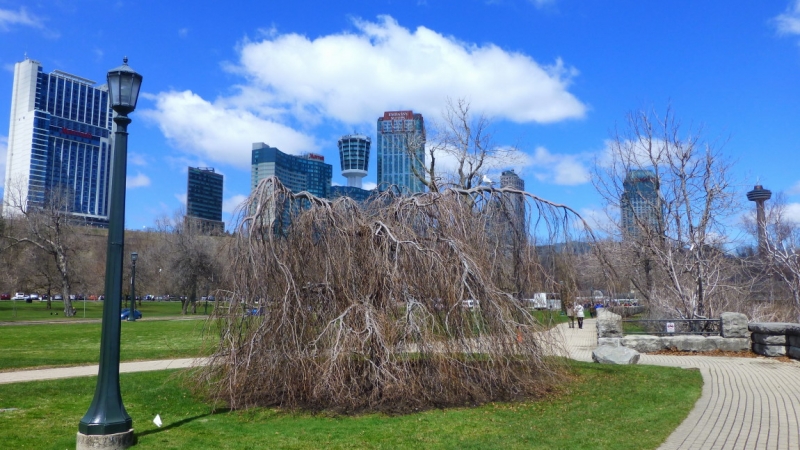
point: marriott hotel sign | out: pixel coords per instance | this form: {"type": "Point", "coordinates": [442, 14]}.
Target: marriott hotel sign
{"type": "Point", "coordinates": [76, 133]}
{"type": "Point", "coordinates": [398, 115]}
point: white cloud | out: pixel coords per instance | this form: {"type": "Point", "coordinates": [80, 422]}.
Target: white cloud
{"type": "Point", "coordinates": [792, 212]}
{"type": "Point", "coordinates": [21, 17]}
{"type": "Point", "coordinates": [794, 190]}
{"type": "Point", "coordinates": [789, 21]}
{"type": "Point", "coordinates": [542, 3]}
{"type": "Point", "coordinates": [598, 219]}
{"type": "Point", "coordinates": [350, 78]}
{"type": "Point", "coordinates": [229, 205]}
{"type": "Point", "coordinates": [353, 77]}
{"type": "Point", "coordinates": [219, 134]}
{"type": "Point", "coordinates": [136, 159]}
{"type": "Point", "coordinates": [3, 155]}
{"type": "Point", "coordinates": [561, 169]}
{"type": "Point", "coordinates": [183, 32]}
{"type": "Point", "coordinates": [181, 198]}
{"type": "Point", "coordinates": [369, 185]}
{"type": "Point", "coordinates": [140, 180]}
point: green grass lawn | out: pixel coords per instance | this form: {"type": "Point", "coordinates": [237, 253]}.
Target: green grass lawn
{"type": "Point", "coordinates": [600, 407]}
{"type": "Point", "coordinates": [12, 311]}
{"type": "Point", "coordinates": [26, 346]}
{"type": "Point", "coordinates": [548, 317]}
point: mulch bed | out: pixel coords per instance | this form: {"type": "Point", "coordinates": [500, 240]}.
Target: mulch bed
{"type": "Point", "coordinates": [744, 354]}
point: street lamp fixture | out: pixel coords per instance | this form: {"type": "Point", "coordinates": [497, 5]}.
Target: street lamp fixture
{"type": "Point", "coordinates": [132, 313]}
{"type": "Point", "coordinates": [106, 424]}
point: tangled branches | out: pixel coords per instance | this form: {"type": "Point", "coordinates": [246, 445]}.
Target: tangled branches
{"type": "Point", "coordinates": [354, 307]}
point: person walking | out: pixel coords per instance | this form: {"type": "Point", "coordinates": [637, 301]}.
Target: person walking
{"type": "Point", "coordinates": [579, 314]}
{"type": "Point", "coordinates": [571, 316]}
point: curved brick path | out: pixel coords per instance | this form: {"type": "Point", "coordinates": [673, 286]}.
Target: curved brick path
{"type": "Point", "coordinates": [746, 403]}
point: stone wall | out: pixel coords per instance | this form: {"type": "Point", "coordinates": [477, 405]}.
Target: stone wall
{"type": "Point", "coordinates": [734, 336]}
{"type": "Point", "coordinates": [776, 339]}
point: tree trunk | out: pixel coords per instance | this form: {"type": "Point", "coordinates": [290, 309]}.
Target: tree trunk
{"type": "Point", "coordinates": [61, 263]}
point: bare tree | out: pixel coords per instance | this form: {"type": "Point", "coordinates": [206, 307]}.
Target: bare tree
{"type": "Point", "coordinates": [398, 304]}
{"type": "Point", "coordinates": [459, 149]}
{"type": "Point", "coordinates": [675, 239]}
{"type": "Point", "coordinates": [191, 260]}
{"type": "Point", "coordinates": [781, 255]}
{"type": "Point", "coordinates": [49, 227]}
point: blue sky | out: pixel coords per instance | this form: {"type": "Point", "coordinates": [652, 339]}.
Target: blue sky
{"type": "Point", "coordinates": [556, 76]}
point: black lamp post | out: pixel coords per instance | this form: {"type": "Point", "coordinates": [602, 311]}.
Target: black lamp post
{"type": "Point", "coordinates": [106, 423]}
{"type": "Point", "coordinates": [132, 315]}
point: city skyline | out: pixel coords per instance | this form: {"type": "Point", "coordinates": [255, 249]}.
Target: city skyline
{"type": "Point", "coordinates": [556, 77]}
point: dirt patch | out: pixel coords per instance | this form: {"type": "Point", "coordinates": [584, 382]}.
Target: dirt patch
{"type": "Point", "coordinates": [720, 353]}
{"type": "Point", "coordinates": [675, 352]}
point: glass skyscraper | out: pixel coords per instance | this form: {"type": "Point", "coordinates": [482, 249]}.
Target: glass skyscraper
{"type": "Point", "coordinates": [640, 204]}
{"type": "Point", "coordinates": [58, 143]}
{"type": "Point", "coordinates": [204, 199]}
{"type": "Point", "coordinates": [308, 172]}
{"type": "Point", "coordinates": [401, 149]}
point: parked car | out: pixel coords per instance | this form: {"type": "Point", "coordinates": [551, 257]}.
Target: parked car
{"type": "Point", "coordinates": [127, 312]}
{"type": "Point", "coordinates": [254, 311]}
{"type": "Point", "coordinates": [19, 296]}
{"type": "Point", "coordinates": [58, 297]}
{"type": "Point", "coordinates": [34, 296]}
{"type": "Point", "coordinates": [5, 296]}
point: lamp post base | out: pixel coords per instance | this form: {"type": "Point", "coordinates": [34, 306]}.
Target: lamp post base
{"type": "Point", "coordinates": [117, 441]}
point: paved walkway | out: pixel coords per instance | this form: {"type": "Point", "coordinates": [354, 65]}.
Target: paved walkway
{"type": "Point", "coordinates": [90, 371]}
{"type": "Point", "coordinates": [746, 403]}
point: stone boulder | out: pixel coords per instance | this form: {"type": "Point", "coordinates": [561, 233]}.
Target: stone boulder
{"type": "Point", "coordinates": [769, 339]}
{"type": "Point", "coordinates": [690, 343]}
{"type": "Point", "coordinates": [613, 342]}
{"type": "Point", "coordinates": [769, 350]}
{"type": "Point", "coordinates": [734, 325]}
{"type": "Point", "coordinates": [775, 328]}
{"type": "Point", "coordinates": [606, 354]}
{"type": "Point", "coordinates": [643, 343]}
{"type": "Point", "coordinates": [730, 344]}
{"type": "Point", "coordinates": [609, 325]}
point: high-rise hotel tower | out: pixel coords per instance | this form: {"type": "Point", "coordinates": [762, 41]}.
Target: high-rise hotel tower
{"type": "Point", "coordinates": [401, 150]}
{"type": "Point", "coordinates": [641, 206]}
{"type": "Point", "coordinates": [58, 143]}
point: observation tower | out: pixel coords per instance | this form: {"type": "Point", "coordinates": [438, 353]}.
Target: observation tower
{"type": "Point", "coordinates": [760, 195]}
{"type": "Point", "coordinates": [354, 157]}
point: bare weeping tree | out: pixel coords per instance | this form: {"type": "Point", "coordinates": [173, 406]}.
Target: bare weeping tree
{"type": "Point", "coordinates": [459, 149]}
{"type": "Point", "coordinates": [49, 227]}
{"type": "Point", "coordinates": [675, 240]}
{"type": "Point", "coordinates": [396, 304]}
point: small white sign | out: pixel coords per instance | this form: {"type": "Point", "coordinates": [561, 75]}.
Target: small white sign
{"type": "Point", "coordinates": [670, 327]}
{"type": "Point", "coordinates": [157, 420]}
